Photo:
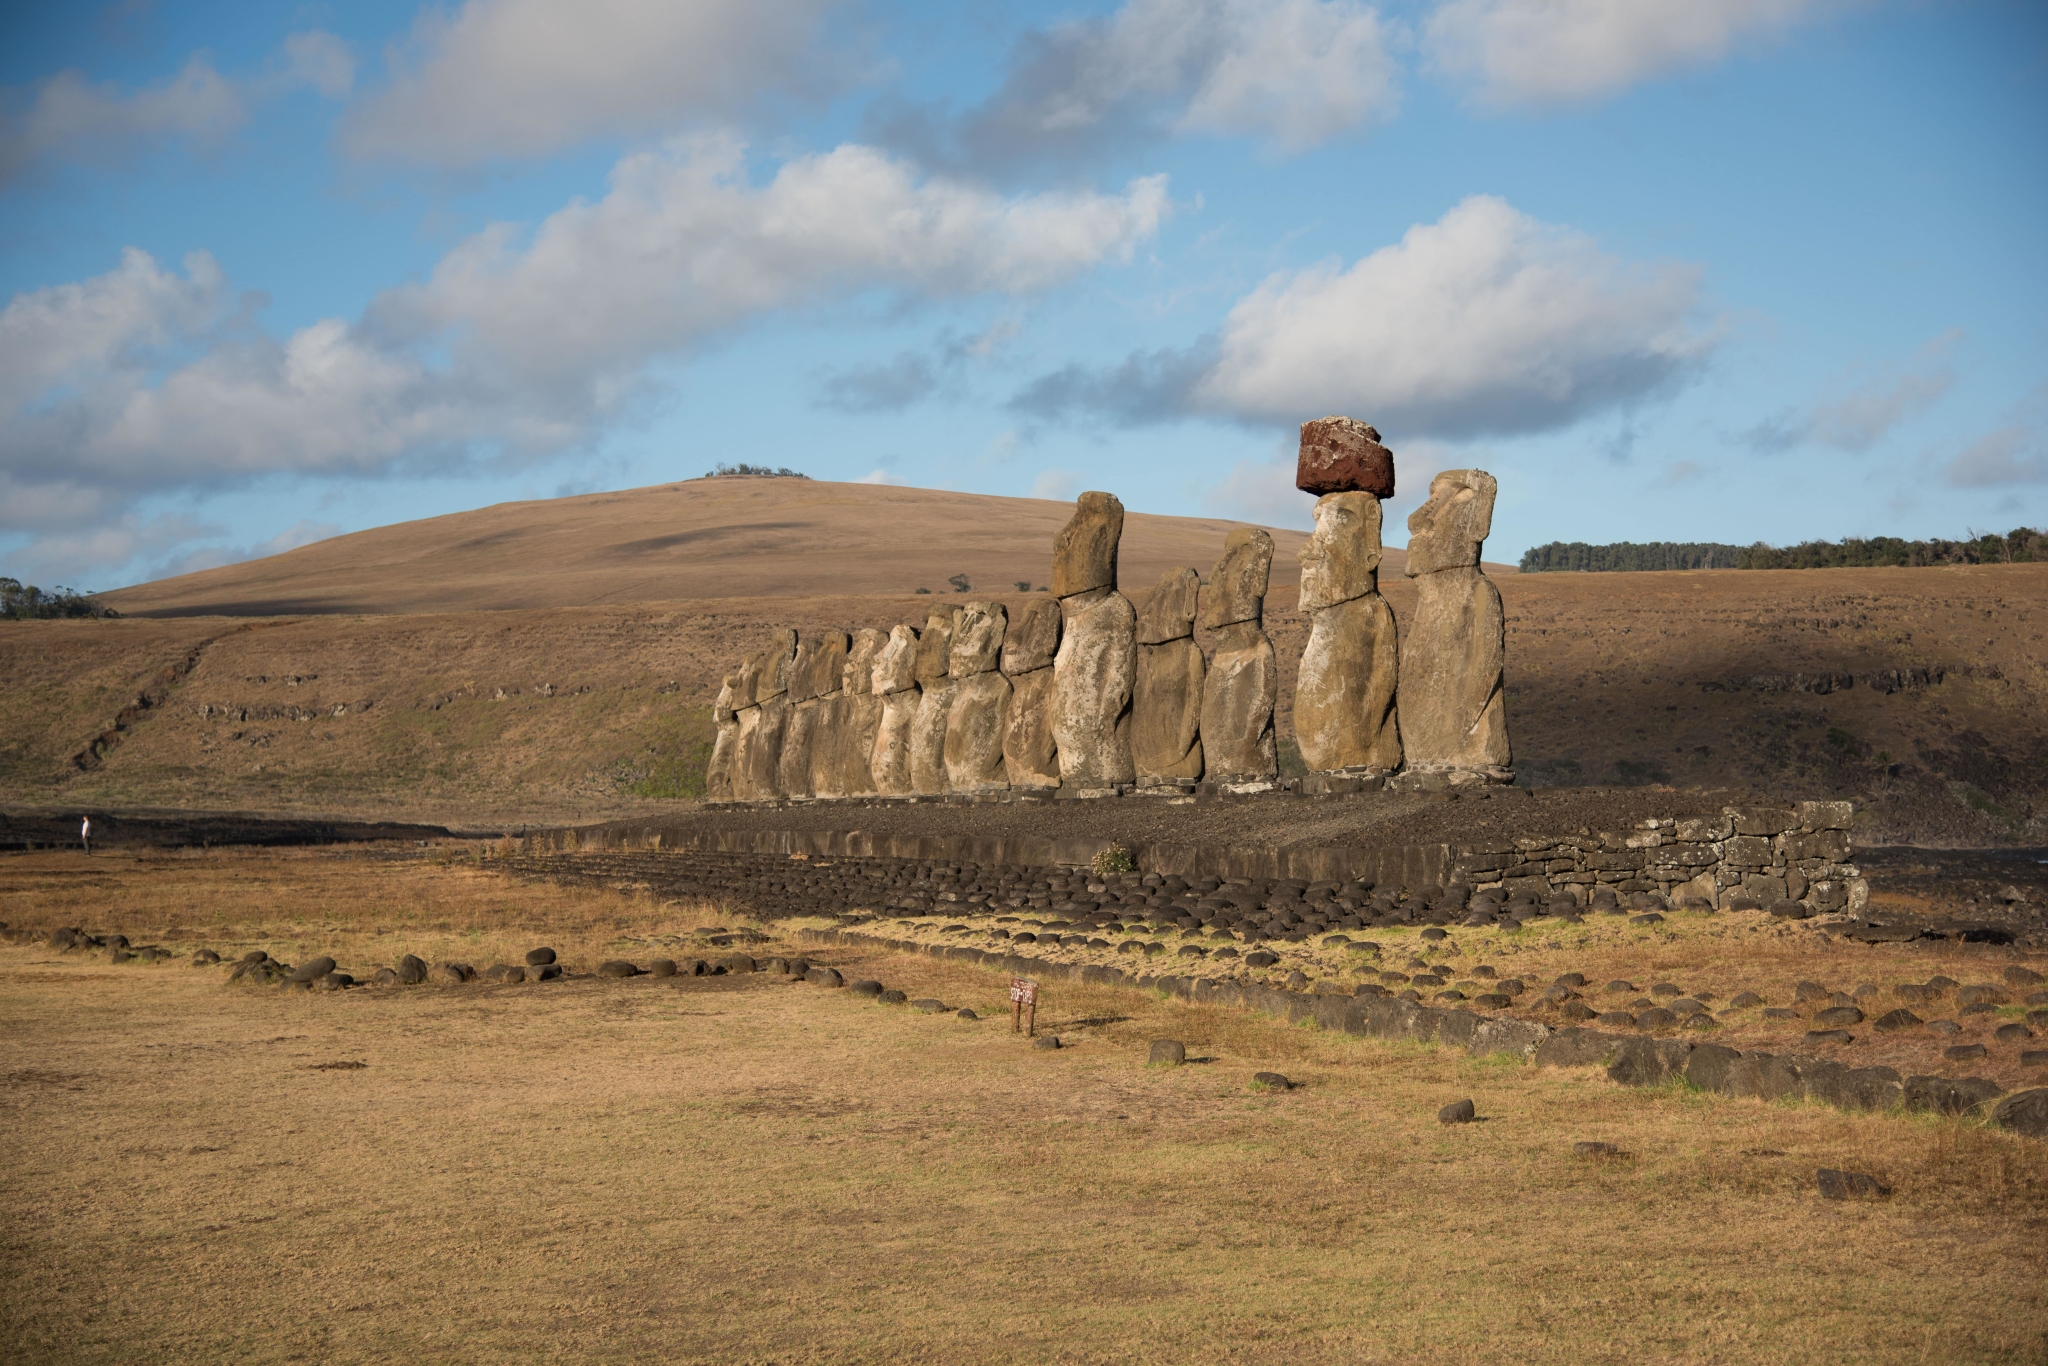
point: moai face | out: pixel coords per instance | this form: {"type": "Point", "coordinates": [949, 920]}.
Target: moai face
{"type": "Point", "coordinates": [1169, 614]}
{"type": "Point", "coordinates": [896, 666]}
{"type": "Point", "coordinates": [1084, 551]}
{"type": "Point", "coordinates": [1447, 531]}
{"type": "Point", "coordinates": [857, 676]}
{"type": "Point", "coordinates": [978, 639]}
{"type": "Point", "coordinates": [1341, 561]}
{"type": "Point", "coordinates": [1236, 590]}
{"type": "Point", "coordinates": [1033, 638]}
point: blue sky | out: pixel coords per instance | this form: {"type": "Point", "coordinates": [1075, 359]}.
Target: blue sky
{"type": "Point", "coordinates": [1672, 270]}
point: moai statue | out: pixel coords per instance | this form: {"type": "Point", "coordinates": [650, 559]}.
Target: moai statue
{"type": "Point", "coordinates": [1243, 680]}
{"type": "Point", "coordinates": [1454, 725]}
{"type": "Point", "coordinates": [1097, 664]}
{"type": "Point", "coordinates": [855, 719]}
{"type": "Point", "coordinates": [1166, 703]}
{"type": "Point", "coordinates": [981, 701]}
{"type": "Point", "coordinates": [1030, 759]}
{"type": "Point", "coordinates": [813, 693]}
{"type": "Point", "coordinates": [935, 700]}
{"type": "Point", "coordinates": [718, 775]}
{"type": "Point", "coordinates": [1344, 697]}
{"type": "Point", "coordinates": [895, 681]}
{"type": "Point", "coordinates": [758, 755]}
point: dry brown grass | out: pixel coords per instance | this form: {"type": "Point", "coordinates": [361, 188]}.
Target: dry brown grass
{"type": "Point", "coordinates": [1722, 955]}
{"type": "Point", "coordinates": [728, 1169]}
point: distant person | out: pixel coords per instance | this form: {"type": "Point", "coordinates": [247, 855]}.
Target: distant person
{"type": "Point", "coordinates": [85, 834]}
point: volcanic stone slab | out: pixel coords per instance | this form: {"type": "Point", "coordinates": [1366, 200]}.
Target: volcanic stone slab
{"type": "Point", "coordinates": [1343, 455]}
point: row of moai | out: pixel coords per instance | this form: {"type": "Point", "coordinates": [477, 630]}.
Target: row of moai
{"type": "Point", "coordinates": [1084, 695]}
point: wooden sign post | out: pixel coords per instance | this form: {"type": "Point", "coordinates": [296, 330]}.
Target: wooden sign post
{"type": "Point", "coordinates": [1024, 997]}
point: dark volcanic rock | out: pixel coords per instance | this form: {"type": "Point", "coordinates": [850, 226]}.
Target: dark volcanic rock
{"type": "Point", "coordinates": [1841, 1185]}
{"type": "Point", "coordinates": [1167, 1053]}
{"type": "Point", "coordinates": [538, 957]}
{"type": "Point", "coordinates": [1457, 1112]}
{"type": "Point", "coordinates": [2024, 1112]}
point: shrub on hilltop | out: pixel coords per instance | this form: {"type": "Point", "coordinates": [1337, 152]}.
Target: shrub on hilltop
{"type": "Point", "coordinates": [19, 602]}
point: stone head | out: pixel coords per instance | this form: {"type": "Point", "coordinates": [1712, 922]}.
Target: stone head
{"type": "Point", "coordinates": [1084, 552]}
{"type": "Point", "coordinates": [776, 662]}
{"type": "Point", "coordinates": [726, 705]}
{"type": "Point", "coordinates": [857, 676]}
{"type": "Point", "coordinates": [1236, 590]}
{"type": "Point", "coordinates": [1169, 614]}
{"type": "Point", "coordinates": [1447, 531]}
{"type": "Point", "coordinates": [1341, 561]}
{"type": "Point", "coordinates": [896, 664]}
{"type": "Point", "coordinates": [978, 639]}
{"type": "Point", "coordinates": [935, 645]}
{"type": "Point", "coordinates": [1034, 638]}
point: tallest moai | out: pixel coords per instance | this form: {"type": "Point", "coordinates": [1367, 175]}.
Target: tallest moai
{"type": "Point", "coordinates": [1097, 662]}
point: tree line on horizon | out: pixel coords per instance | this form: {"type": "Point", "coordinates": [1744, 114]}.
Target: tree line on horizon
{"type": "Point", "coordinates": [2022, 545]}
{"type": "Point", "coordinates": [26, 602]}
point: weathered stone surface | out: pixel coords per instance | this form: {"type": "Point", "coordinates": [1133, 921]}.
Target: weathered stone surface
{"type": "Point", "coordinates": [1341, 454]}
{"type": "Point", "coordinates": [1648, 1062]}
{"type": "Point", "coordinates": [1236, 590]}
{"type": "Point", "coordinates": [1452, 712]}
{"type": "Point", "coordinates": [978, 639]}
{"type": "Point", "coordinates": [890, 763]}
{"type": "Point", "coordinates": [895, 667]}
{"type": "Point", "coordinates": [935, 644]}
{"type": "Point", "coordinates": [1344, 694]}
{"type": "Point", "coordinates": [1707, 1066]}
{"type": "Point", "coordinates": [1238, 695]}
{"type": "Point", "coordinates": [928, 735]}
{"type": "Point", "coordinates": [1841, 1185]}
{"type": "Point", "coordinates": [841, 760]}
{"type": "Point", "coordinates": [1167, 1053]}
{"type": "Point", "coordinates": [2024, 1112]}
{"type": "Point", "coordinates": [1093, 677]}
{"type": "Point", "coordinates": [975, 727]}
{"type": "Point", "coordinates": [1169, 614]}
{"type": "Point", "coordinates": [1166, 711]}
{"type": "Point", "coordinates": [758, 751]}
{"type": "Point", "coordinates": [1029, 757]}
{"type": "Point", "coordinates": [1033, 639]}
{"type": "Point", "coordinates": [1084, 551]}
{"type": "Point", "coordinates": [1457, 1112]}
{"type": "Point", "coordinates": [723, 744]}
{"type": "Point", "coordinates": [800, 738]}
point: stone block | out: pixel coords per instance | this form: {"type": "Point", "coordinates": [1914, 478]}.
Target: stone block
{"type": "Point", "coordinates": [1763, 820]}
{"type": "Point", "coordinates": [1825, 815]}
{"type": "Point", "coordinates": [1343, 455]}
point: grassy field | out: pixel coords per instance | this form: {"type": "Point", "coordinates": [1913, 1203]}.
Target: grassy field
{"type": "Point", "coordinates": [746, 1169]}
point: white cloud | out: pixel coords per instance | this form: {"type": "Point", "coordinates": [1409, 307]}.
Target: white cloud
{"type": "Point", "coordinates": [527, 77]}
{"type": "Point", "coordinates": [881, 476]}
{"type": "Point", "coordinates": [684, 246]}
{"type": "Point", "coordinates": [1290, 73]}
{"type": "Point", "coordinates": [1861, 407]}
{"type": "Point", "coordinates": [1552, 51]}
{"type": "Point", "coordinates": [1484, 321]}
{"type": "Point", "coordinates": [516, 347]}
{"type": "Point", "coordinates": [71, 116]}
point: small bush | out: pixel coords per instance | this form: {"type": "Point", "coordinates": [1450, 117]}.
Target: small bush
{"type": "Point", "coordinates": [1115, 859]}
{"type": "Point", "coordinates": [725, 471]}
{"type": "Point", "coordinates": [1023, 585]}
{"type": "Point", "coordinates": [960, 583]}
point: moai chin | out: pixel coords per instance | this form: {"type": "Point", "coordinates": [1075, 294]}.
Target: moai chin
{"type": "Point", "coordinates": [1095, 669]}
{"type": "Point", "coordinates": [1243, 680]}
{"type": "Point", "coordinates": [1344, 694]}
{"type": "Point", "coordinates": [1454, 727]}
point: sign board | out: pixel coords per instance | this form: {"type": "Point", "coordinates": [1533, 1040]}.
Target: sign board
{"type": "Point", "coordinates": [1023, 1004]}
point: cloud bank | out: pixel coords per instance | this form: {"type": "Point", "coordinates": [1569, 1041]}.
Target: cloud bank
{"type": "Point", "coordinates": [510, 78]}
{"type": "Point", "coordinates": [1484, 322]}
{"type": "Point", "coordinates": [1287, 73]}
{"type": "Point", "coordinates": [1537, 52]}
{"type": "Point", "coordinates": [517, 346]}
